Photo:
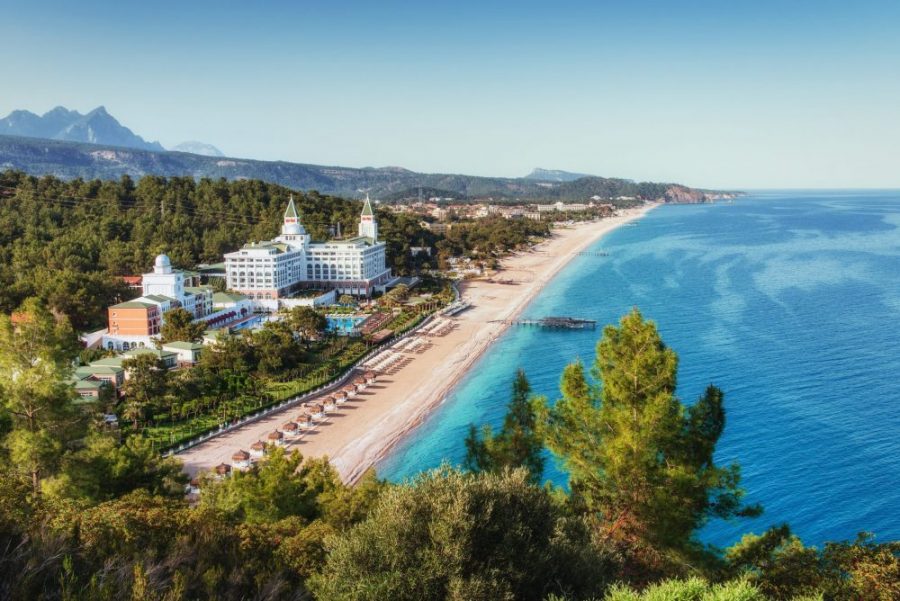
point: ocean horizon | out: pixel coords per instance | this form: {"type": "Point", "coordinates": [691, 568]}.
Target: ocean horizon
{"type": "Point", "coordinates": [786, 299]}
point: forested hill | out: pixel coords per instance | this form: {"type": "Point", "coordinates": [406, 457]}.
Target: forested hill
{"type": "Point", "coordinates": [70, 160]}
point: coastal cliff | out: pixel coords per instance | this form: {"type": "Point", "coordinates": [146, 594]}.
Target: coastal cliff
{"type": "Point", "coordinates": [678, 194]}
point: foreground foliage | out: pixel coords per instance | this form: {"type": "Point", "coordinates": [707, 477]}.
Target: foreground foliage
{"type": "Point", "coordinates": [85, 515]}
{"type": "Point", "coordinates": [639, 461]}
{"type": "Point", "coordinates": [449, 535]}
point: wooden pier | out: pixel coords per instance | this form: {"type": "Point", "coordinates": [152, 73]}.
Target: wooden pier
{"type": "Point", "coordinates": [560, 323]}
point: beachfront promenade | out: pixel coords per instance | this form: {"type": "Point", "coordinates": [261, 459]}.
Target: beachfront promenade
{"type": "Point", "coordinates": [414, 374]}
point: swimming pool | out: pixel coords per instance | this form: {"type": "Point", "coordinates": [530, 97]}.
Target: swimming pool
{"type": "Point", "coordinates": [344, 324]}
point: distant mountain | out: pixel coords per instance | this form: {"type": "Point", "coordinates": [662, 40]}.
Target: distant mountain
{"type": "Point", "coordinates": [96, 127]}
{"type": "Point", "coordinates": [70, 160]}
{"type": "Point", "coordinates": [201, 148]}
{"type": "Point", "coordinates": [554, 175]}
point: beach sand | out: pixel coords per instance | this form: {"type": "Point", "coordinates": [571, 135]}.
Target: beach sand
{"type": "Point", "coordinates": [363, 430]}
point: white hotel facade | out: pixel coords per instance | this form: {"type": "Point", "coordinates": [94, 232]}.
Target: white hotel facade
{"type": "Point", "coordinates": [267, 272]}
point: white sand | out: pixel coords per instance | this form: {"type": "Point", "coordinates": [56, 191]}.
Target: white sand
{"type": "Point", "coordinates": [363, 430]}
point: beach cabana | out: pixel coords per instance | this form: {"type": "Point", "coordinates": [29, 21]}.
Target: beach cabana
{"type": "Point", "coordinates": [360, 383]}
{"type": "Point", "coordinates": [276, 438]}
{"type": "Point", "coordinates": [241, 458]}
{"type": "Point", "coordinates": [350, 390]}
{"type": "Point", "coordinates": [258, 449]}
{"type": "Point", "coordinates": [340, 397]}
{"type": "Point", "coordinates": [193, 487]}
{"type": "Point", "coordinates": [222, 470]}
{"type": "Point", "coordinates": [304, 421]}
{"type": "Point", "coordinates": [290, 429]}
{"type": "Point", "coordinates": [328, 404]}
{"type": "Point", "coordinates": [371, 377]}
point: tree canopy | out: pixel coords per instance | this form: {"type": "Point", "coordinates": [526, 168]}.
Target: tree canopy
{"type": "Point", "coordinates": [179, 325]}
{"type": "Point", "coordinates": [638, 458]}
{"type": "Point", "coordinates": [518, 443]}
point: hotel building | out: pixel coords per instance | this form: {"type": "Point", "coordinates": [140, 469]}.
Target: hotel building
{"type": "Point", "coordinates": [267, 272]}
{"type": "Point", "coordinates": [131, 324]}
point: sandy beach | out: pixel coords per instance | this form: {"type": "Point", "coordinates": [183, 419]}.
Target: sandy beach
{"type": "Point", "coordinates": [363, 430]}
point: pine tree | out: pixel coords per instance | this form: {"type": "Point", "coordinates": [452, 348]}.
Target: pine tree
{"type": "Point", "coordinates": [516, 445]}
{"type": "Point", "coordinates": [638, 459]}
{"type": "Point", "coordinates": [36, 356]}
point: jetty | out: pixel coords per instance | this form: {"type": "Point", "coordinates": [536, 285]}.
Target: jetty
{"type": "Point", "coordinates": [562, 323]}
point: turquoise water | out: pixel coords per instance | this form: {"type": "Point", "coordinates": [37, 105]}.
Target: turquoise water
{"type": "Point", "coordinates": [343, 324]}
{"type": "Point", "coordinates": [788, 301]}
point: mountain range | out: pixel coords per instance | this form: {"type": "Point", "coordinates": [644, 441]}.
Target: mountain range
{"type": "Point", "coordinates": [70, 145]}
{"type": "Point", "coordinates": [96, 127]}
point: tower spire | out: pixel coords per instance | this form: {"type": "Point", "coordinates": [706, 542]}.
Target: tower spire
{"type": "Point", "coordinates": [367, 208]}
{"type": "Point", "coordinates": [290, 214]}
{"type": "Point", "coordinates": [367, 226]}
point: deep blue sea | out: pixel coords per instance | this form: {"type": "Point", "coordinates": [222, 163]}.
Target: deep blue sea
{"type": "Point", "coordinates": [789, 301]}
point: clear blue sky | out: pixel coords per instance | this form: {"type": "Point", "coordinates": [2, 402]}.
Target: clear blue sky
{"type": "Point", "coordinates": [728, 93]}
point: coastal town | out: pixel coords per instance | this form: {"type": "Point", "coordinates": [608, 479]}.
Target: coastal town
{"type": "Point", "coordinates": [403, 342]}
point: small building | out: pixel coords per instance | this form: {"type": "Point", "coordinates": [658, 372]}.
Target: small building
{"type": "Point", "coordinates": [276, 438]}
{"type": "Point", "coordinates": [316, 411]}
{"type": "Point", "coordinates": [231, 300]}
{"type": "Point", "coordinates": [168, 358]}
{"type": "Point", "coordinates": [304, 421]}
{"type": "Point", "coordinates": [222, 470]}
{"type": "Point", "coordinates": [340, 397]}
{"type": "Point", "coordinates": [437, 228]}
{"type": "Point", "coordinates": [258, 449]}
{"type": "Point", "coordinates": [111, 375]}
{"type": "Point", "coordinates": [328, 404]}
{"type": "Point", "coordinates": [133, 281]}
{"type": "Point", "coordinates": [241, 459]}
{"type": "Point", "coordinates": [310, 298]}
{"type": "Point", "coordinates": [290, 429]}
{"type": "Point", "coordinates": [133, 323]}
{"type": "Point", "coordinates": [88, 389]}
{"type": "Point", "coordinates": [187, 353]}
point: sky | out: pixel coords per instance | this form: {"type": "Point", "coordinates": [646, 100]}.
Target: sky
{"type": "Point", "coordinates": [729, 94]}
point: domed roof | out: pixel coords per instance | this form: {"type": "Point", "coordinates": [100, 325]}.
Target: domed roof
{"type": "Point", "coordinates": [292, 229]}
{"type": "Point", "coordinates": [162, 261]}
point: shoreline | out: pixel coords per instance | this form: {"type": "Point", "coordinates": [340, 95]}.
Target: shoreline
{"type": "Point", "coordinates": [440, 395]}
{"type": "Point", "coordinates": [364, 431]}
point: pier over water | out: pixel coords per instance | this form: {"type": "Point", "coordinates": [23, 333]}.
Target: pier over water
{"type": "Point", "coordinates": [564, 323]}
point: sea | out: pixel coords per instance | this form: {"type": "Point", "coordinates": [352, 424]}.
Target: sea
{"type": "Point", "coordinates": [787, 300]}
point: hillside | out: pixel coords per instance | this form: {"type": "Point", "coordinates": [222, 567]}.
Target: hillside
{"type": "Point", "coordinates": [70, 160]}
{"type": "Point", "coordinates": [555, 175]}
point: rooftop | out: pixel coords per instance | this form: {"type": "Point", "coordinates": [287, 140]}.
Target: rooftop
{"type": "Point", "coordinates": [356, 241]}
{"type": "Point", "coordinates": [183, 346]}
{"type": "Point", "coordinates": [148, 351]}
{"type": "Point", "coordinates": [227, 297]}
{"type": "Point", "coordinates": [89, 370]}
{"type": "Point", "coordinates": [133, 305]}
{"type": "Point", "coordinates": [158, 298]}
{"type": "Point", "coordinates": [108, 361]}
